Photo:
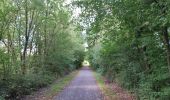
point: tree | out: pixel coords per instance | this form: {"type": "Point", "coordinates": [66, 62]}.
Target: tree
{"type": "Point", "coordinates": [132, 41]}
{"type": "Point", "coordinates": [38, 42]}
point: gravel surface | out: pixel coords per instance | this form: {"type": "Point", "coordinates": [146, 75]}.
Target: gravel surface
{"type": "Point", "coordinates": [83, 87]}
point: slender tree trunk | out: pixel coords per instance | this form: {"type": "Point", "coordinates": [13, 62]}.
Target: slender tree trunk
{"type": "Point", "coordinates": [26, 39]}
{"type": "Point", "coordinates": [45, 34]}
{"type": "Point", "coordinates": [166, 43]}
{"type": "Point", "coordinates": [45, 31]}
{"type": "Point", "coordinates": [31, 43]}
{"type": "Point", "coordinates": [19, 40]}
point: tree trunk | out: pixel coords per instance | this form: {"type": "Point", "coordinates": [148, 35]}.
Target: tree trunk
{"type": "Point", "coordinates": [26, 40]}
{"type": "Point", "coordinates": [166, 43]}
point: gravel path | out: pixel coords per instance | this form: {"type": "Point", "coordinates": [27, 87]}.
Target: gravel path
{"type": "Point", "coordinates": [83, 87]}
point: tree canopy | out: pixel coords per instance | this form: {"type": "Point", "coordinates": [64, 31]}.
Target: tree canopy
{"type": "Point", "coordinates": [129, 43]}
{"type": "Point", "coordinates": [38, 43]}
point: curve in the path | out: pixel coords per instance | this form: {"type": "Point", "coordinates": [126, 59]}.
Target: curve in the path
{"type": "Point", "coordinates": [83, 87]}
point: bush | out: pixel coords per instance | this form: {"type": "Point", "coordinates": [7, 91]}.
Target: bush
{"type": "Point", "coordinates": [144, 74]}
{"type": "Point", "coordinates": [19, 85]}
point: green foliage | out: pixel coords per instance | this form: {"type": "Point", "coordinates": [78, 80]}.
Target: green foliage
{"type": "Point", "coordinates": [59, 86]}
{"type": "Point", "coordinates": [79, 58]}
{"type": "Point", "coordinates": [19, 85]}
{"type": "Point", "coordinates": [129, 43]}
{"type": "Point", "coordinates": [38, 43]}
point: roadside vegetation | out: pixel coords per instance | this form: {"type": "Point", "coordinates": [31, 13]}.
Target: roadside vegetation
{"type": "Point", "coordinates": [59, 86]}
{"type": "Point", "coordinates": [107, 92]}
{"type": "Point", "coordinates": [39, 43]}
{"type": "Point", "coordinates": [129, 43]}
{"type": "Point", "coordinates": [49, 92]}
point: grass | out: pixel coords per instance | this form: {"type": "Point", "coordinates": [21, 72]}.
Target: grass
{"type": "Point", "coordinates": [106, 90]}
{"type": "Point", "coordinates": [60, 85]}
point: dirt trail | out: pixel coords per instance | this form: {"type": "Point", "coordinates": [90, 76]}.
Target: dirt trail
{"type": "Point", "coordinates": [83, 87]}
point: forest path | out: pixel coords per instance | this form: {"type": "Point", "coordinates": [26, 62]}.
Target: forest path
{"type": "Point", "coordinates": [83, 87]}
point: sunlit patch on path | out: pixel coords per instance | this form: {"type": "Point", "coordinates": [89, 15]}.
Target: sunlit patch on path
{"type": "Point", "coordinates": [83, 87]}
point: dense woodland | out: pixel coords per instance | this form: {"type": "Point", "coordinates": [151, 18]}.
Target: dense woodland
{"type": "Point", "coordinates": [38, 43]}
{"type": "Point", "coordinates": [129, 43]}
